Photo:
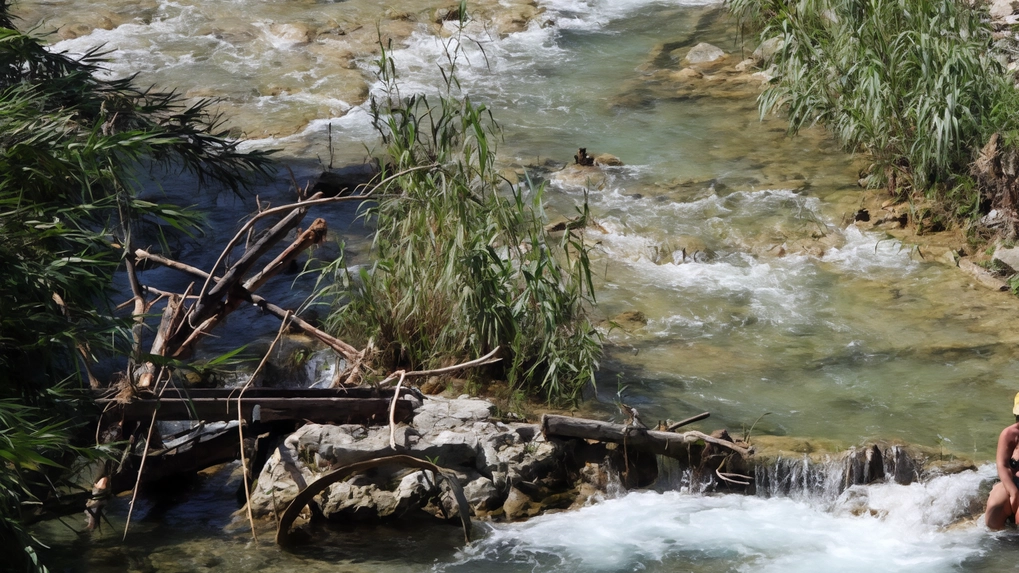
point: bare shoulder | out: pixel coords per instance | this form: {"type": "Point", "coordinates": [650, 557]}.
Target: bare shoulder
{"type": "Point", "coordinates": [1010, 433]}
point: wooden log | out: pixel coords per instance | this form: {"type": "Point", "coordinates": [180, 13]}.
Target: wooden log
{"type": "Point", "coordinates": [670, 444]}
{"type": "Point", "coordinates": [319, 410]}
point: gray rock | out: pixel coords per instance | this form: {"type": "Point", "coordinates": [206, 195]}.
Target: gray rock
{"type": "Point", "coordinates": [582, 176]}
{"type": "Point", "coordinates": [999, 9]}
{"type": "Point", "coordinates": [439, 413]}
{"type": "Point", "coordinates": [768, 48]}
{"type": "Point", "coordinates": [1008, 257]}
{"type": "Point", "coordinates": [482, 494]}
{"type": "Point", "coordinates": [704, 53]}
{"type": "Point", "coordinates": [608, 160]}
{"type": "Point", "coordinates": [451, 447]}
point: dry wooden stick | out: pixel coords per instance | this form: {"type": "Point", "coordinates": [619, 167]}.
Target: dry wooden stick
{"type": "Point", "coordinates": [486, 359]}
{"type": "Point", "coordinates": [138, 314]}
{"type": "Point", "coordinates": [145, 453]}
{"type": "Point", "coordinates": [313, 235]}
{"type": "Point", "coordinates": [690, 420]}
{"type": "Point", "coordinates": [240, 423]}
{"type": "Point", "coordinates": [392, 410]}
{"type": "Point", "coordinates": [336, 344]}
{"type": "Point", "coordinates": [731, 478]}
{"type": "Point", "coordinates": [210, 294]}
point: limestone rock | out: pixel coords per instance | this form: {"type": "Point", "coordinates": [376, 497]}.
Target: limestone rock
{"type": "Point", "coordinates": [482, 494]}
{"type": "Point", "coordinates": [982, 275]}
{"type": "Point", "coordinates": [767, 50]}
{"type": "Point", "coordinates": [1000, 9]}
{"type": "Point", "coordinates": [686, 74]}
{"type": "Point", "coordinates": [518, 505]}
{"type": "Point", "coordinates": [606, 159]}
{"type": "Point", "coordinates": [442, 413]}
{"type": "Point", "coordinates": [703, 53]}
{"type": "Point", "coordinates": [291, 33]}
{"type": "Point", "coordinates": [746, 65]}
{"type": "Point", "coordinates": [581, 176]}
{"type": "Point", "coordinates": [1007, 256]}
{"type": "Point", "coordinates": [630, 320]}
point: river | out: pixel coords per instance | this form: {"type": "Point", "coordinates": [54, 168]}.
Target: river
{"type": "Point", "coordinates": [859, 340]}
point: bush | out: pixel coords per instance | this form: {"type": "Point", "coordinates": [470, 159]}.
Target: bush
{"type": "Point", "coordinates": [909, 82]}
{"type": "Point", "coordinates": [459, 268]}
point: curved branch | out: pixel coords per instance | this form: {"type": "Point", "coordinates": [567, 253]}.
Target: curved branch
{"type": "Point", "coordinates": [307, 494]}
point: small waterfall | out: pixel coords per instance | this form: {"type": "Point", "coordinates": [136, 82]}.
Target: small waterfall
{"type": "Point", "coordinates": [828, 477]}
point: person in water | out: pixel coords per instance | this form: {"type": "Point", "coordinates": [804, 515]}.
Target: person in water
{"type": "Point", "coordinates": [1003, 502]}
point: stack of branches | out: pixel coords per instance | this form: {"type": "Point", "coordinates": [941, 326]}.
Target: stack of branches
{"type": "Point", "coordinates": [190, 315]}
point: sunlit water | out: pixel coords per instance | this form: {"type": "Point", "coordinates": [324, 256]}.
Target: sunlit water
{"type": "Point", "coordinates": [863, 341]}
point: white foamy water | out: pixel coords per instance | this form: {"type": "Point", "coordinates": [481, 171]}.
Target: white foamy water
{"type": "Point", "coordinates": [891, 528]}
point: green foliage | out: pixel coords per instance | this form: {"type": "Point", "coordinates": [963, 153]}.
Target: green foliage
{"type": "Point", "coordinates": [33, 453]}
{"type": "Point", "coordinates": [72, 148]}
{"type": "Point", "coordinates": [908, 81]}
{"type": "Point", "coordinates": [458, 266]}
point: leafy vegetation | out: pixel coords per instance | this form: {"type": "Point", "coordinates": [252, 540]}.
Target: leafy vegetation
{"type": "Point", "coordinates": [72, 147]}
{"type": "Point", "coordinates": [461, 261]}
{"type": "Point", "coordinates": [910, 82]}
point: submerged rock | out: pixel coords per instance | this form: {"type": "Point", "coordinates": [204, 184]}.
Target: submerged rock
{"type": "Point", "coordinates": [703, 53]}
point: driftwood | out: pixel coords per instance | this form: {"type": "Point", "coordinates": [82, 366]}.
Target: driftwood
{"type": "Point", "coordinates": [661, 443]}
{"type": "Point", "coordinates": [283, 536]}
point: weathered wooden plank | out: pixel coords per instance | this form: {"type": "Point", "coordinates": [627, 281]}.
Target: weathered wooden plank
{"type": "Point", "coordinates": [322, 410]}
{"type": "Point", "coordinates": [259, 392]}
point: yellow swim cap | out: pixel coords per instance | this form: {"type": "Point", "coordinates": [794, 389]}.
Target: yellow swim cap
{"type": "Point", "coordinates": [1015, 405]}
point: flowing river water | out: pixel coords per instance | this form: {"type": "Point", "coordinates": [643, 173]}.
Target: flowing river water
{"type": "Point", "coordinates": [781, 306]}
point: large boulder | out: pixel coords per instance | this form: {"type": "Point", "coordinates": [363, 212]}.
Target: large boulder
{"type": "Point", "coordinates": [486, 456]}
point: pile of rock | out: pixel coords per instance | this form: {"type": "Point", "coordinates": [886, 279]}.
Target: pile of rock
{"type": "Point", "coordinates": [507, 470]}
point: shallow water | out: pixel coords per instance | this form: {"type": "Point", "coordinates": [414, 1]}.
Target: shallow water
{"type": "Point", "coordinates": [861, 341]}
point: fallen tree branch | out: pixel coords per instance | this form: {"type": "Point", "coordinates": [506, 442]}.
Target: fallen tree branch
{"type": "Point", "coordinates": [661, 443]}
{"type": "Point", "coordinates": [737, 479]}
{"type": "Point", "coordinates": [313, 235]}
{"type": "Point", "coordinates": [347, 351]}
{"type": "Point", "coordinates": [141, 465]}
{"type": "Point", "coordinates": [673, 427]}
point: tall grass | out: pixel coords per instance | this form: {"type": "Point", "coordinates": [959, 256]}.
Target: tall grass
{"type": "Point", "coordinates": [461, 261]}
{"type": "Point", "coordinates": [909, 82]}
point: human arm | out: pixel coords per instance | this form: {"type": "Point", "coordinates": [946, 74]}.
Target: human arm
{"type": "Point", "coordinates": [1006, 445]}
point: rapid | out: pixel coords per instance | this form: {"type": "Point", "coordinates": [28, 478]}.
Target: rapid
{"type": "Point", "coordinates": [764, 304]}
